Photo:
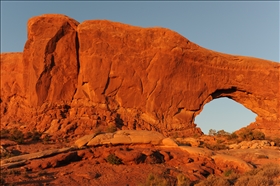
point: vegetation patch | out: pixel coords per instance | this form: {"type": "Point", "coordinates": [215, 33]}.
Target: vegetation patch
{"type": "Point", "coordinates": [20, 137]}
{"type": "Point", "coordinates": [248, 135]}
{"type": "Point", "coordinates": [113, 159]}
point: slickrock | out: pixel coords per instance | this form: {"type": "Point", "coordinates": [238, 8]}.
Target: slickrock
{"type": "Point", "coordinates": [84, 140]}
{"type": "Point", "coordinates": [31, 156]}
{"type": "Point", "coordinates": [74, 77]}
{"type": "Point", "coordinates": [226, 161]}
{"type": "Point", "coordinates": [197, 151]}
{"type": "Point", "coordinates": [125, 137]}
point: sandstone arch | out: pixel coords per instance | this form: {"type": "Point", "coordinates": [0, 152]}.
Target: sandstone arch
{"type": "Point", "coordinates": [223, 113]}
{"type": "Point", "coordinates": [152, 78]}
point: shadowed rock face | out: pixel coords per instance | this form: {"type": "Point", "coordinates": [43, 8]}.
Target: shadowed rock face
{"type": "Point", "coordinates": [139, 78]}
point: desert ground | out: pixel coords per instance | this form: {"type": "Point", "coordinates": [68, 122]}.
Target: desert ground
{"type": "Point", "coordinates": [200, 160]}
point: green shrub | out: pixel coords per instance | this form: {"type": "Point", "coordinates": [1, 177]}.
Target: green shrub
{"type": "Point", "coordinates": [113, 159]}
{"type": "Point", "coordinates": [228, 172]}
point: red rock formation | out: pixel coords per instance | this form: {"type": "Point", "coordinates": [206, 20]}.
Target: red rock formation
{"type": "Point", "coordinates": [80, 76]}
{"type": "Point", "coordinates": [51, 57]}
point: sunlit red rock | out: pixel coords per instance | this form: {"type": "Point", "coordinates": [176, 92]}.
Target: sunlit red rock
{"type": "Point", "coordinates": [75, 77]}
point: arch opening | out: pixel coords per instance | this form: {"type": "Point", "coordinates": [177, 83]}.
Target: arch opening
{"type": "Point", "coordinates": [224, 114]}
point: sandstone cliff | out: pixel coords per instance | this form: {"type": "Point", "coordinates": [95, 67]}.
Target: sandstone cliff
{"type": "Point", "coordinates": [73, 77]}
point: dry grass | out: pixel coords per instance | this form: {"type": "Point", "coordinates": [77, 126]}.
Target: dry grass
{"type": "Point", "coordinates": [267, 175]}
{"type": "Point", "coordinates": [214, 180]}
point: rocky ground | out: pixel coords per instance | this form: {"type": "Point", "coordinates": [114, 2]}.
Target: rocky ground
{"type": "Point", "coordinates": [154, 161]}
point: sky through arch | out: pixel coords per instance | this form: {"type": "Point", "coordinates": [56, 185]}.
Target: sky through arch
{"type": "Point", "coordinates": [224, 114]}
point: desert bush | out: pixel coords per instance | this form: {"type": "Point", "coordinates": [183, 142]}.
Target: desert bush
{"type": "Point", "coordinates": [276, 141]}
{"type": "Point", "coordinates": [34, 135]}
{"type": "Point", "coordinates": [2, 181]}
{"type": "Point", "coordinates": [253, 180]}
{"type": "Point", "coordinates": [97, 175]}
{"type": "Point", "coordinates": [42, 173]}
{"type": "Point", "coordinates": [14, 172]}
{"type": "Point", "coordinates": [113, 159]}
{"type": "Point", "coordinates": [46, 139]}
{"type": "Point", "coordinates": [185, 143]}
{"type": "Point", "coordinates": [228, 172]}
{"type": "Point", "coordinates": [270, 171]}
{"type": "Point", "coordinates": [175, 135]}
{"type": "Point", "coordinates": [6, 155]}
{"type": "Point", "coordinates": [182, 180]}
{"type": "Point", "coordinates": [262, 156]}
{"type": "Point", "coordinates": [214, 180]}
{"type": "Point", "coordinates": [219, 141]}
{"type": "Point", "coordinates": [248, 135]}
{"type": "Point", "coordinates": [263, 176]}
{"type": "Point", "coordinates": [17, 136]}
{"type": "Point", "coordinates": [232, 136]}
{"type": "Point", "coordinates": [212, 132]}
{"type": "Point", "coordinates": [155, 180]}
{"type": "Point", "coordinates": [258, 135]}
{"type": "Point", "coordinates": [4, 133]}
{"type": "Point", "coordinates": [222, 133]}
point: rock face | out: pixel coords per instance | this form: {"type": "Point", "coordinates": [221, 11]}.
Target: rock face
{"type": "Point", "coordinates": [72, 78]}
{"type": "Point", "coordinates": [51, 57]}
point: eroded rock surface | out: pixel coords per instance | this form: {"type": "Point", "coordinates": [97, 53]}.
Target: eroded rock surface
{"type": "Point", "coordinates": [126, 137]}
{"type": "Point", "coordinates": [72, 78]}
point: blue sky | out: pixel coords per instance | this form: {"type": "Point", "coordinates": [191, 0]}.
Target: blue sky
{"type": "Point", "coordinates": [242, 28]}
